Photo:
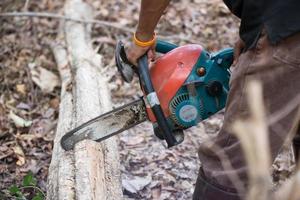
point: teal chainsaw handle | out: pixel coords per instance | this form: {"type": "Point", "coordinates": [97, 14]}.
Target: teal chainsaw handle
{"type": "Point", "coordinates": [164, 47]}
{"type": "Point", "coordinates": [224, 57]}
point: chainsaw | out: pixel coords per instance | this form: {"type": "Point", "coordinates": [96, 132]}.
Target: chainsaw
{"type": "Point", "coordinates": [184, 86]}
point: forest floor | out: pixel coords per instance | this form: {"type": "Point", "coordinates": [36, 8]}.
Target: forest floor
{"type": "Point", "coordinates": [30, 93]}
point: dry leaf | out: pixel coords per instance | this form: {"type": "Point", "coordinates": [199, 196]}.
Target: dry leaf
{"type": "Point", "coordinates": [186, 185]}
{"type": "Point", "coordinates": [32, 166]}
{"type": "Point", "coordinates": [21, 88]}
{"type": "Point", "coordinates": [136, 184]}
{"type": "Point", "coordinates": [41, 127]}
{"type": "Point", "coordinates": [23, 106]}
{"type": "Point", "coordinates": [156, 192]}
{"type": "Point", "coordinates": [45, 79]}
{"type": "Point", "coordinates": [27, 137]}
{"type": "Point", "coordinates": [19, 122]}
{"type": "Point", "coordinates": [20, 155]}
{"type": "Point", "coordinates": [135, 141]}
{"type": "Point", "coordinates": [54, 103]}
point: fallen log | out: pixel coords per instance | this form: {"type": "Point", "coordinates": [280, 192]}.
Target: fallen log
{"type": "Point", "coordinates": [91, 170]}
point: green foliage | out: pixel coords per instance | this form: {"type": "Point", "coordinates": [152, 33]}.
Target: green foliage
{"type": "Point", "coordinates": [29, 180]}
{"type": "Point", "coordinates": [30, 185]}
{"type": "Point", "coordinates": [38, 196]}
{"type": "Point", "coordinates": [16, 192]}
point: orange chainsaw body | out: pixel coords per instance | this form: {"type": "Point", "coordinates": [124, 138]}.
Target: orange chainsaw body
{"type": "Point", "coordinates": [169, 73]}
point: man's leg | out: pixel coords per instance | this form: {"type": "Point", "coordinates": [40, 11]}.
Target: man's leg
{"type": "Point", "coordinates": [278, 69]}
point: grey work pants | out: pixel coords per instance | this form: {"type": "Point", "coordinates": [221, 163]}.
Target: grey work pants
{"type": "Point", "coordinates": [278, 69]}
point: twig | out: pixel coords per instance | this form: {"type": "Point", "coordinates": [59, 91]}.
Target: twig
{"type": "Point", "coordinates": [34, 187]}
{"type": "Point", "coordinates": [253, 134]}
{"type": "Point", "coordinates": [93, 21]}
{"type": "Point", "coordinates": [62, 17]}
{"type": "Point", "coordinates": [25, 8]}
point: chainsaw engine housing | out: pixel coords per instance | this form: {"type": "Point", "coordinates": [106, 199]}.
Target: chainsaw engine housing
{"type": "Point", "coordinates": [191, 85]}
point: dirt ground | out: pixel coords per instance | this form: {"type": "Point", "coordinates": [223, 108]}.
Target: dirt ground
{"type": "Point", "coordinates": [30, 89]}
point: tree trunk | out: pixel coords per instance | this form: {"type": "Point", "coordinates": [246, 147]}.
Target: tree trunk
{"type": "Point", "coordinates": [91, 170]}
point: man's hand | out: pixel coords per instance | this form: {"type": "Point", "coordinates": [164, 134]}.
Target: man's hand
{"type": "Point", "coordinates": [238, 49]}
{"type": "Point", "coordinates": [134, 52]}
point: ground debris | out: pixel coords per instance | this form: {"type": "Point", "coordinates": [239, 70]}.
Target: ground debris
{"type": "Point", "coordinates": [27, 123]}
{"type": "Point", "coordinates": [135, 184]}
{"type": "Point", "coordinates": [45, 79]}
{"type": "Point", "coordinates": [31, 94]}
{"type": "Point", "coordinates": [18, 121]}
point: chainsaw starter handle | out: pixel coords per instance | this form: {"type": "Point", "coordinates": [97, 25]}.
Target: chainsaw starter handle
{"type": "Point", "coordinates": [144, 75]}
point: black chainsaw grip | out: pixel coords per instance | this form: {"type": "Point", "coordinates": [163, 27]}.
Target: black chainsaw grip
{"type": "Point", "coordinates": [147, 85]}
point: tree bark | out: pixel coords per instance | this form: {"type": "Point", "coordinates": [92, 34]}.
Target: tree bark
{"type": "Point", "coordinates": [91, 170]}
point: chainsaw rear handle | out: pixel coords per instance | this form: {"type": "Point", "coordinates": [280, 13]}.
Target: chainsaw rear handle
{"type": "Point", "coordinates": [164, 47]}
{"type": "Point", "coordinates": [146, 83]}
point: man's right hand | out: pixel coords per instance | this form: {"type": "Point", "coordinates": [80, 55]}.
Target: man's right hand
{"type": "Point", "coordinates": [134, 52]}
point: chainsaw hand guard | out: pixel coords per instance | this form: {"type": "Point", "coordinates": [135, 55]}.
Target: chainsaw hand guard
{"type": "Point", "coordinates": [125, 68]}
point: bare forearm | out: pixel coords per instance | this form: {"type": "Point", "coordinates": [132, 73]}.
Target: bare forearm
{"type": "Point", "coordinates": [151, 11]}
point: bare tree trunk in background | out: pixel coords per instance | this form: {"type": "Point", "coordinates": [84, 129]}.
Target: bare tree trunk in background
{"type": "Point", "coordinates": [91, 170]}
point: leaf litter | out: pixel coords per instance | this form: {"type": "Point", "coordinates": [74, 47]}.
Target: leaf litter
{"type": "Point", "coordinates": [30, 89]}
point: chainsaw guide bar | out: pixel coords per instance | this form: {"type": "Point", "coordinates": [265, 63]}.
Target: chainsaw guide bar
{"type": "Point", "coordinates": [107, 125]}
